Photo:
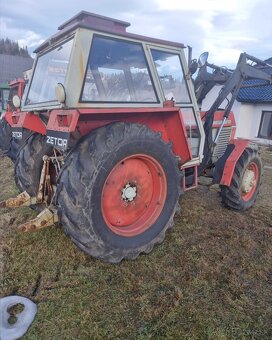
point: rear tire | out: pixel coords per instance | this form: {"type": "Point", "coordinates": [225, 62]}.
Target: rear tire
{"type": "Point", "coordinates": [119, 191]}
{"type": "Point", "coordinates": [15, 146]}
{"type": "Point", "coordinates": [246, 182]}
{"type": "Point", "coordinates": [8, 144]}
{"type": "Point", "coordinates": [29, 163]}
{"type": "Point", "coordinates": [5, 136]}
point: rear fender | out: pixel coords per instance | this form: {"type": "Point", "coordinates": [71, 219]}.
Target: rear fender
{"type": "Point", "coordinates": [20, 122]}
{"type": "Point", "coordinates": [60, 127]}
{"type": "Point", "coordinates": [64, 125]}
{"type": "Point", "coordinates": [7, 117]}
{"type": "Point", "coordinates": [224, 168]}
{"type": "Point", "coordinates": [27, 120]}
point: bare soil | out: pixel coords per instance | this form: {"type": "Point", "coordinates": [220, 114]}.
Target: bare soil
{"type": "Point", "coordinates": [210, 278]}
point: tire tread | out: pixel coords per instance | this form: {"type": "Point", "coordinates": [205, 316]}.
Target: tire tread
{"type": "Point", "coordinates": [78, 175]}
{"type": "Point", "coordinates": [231, 196]}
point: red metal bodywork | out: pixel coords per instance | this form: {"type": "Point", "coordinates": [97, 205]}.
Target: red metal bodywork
{"type": "Point", "coordinates": [8, 117]}
{"type": "Point", "coordinates": [167, 120]}
{"type": "Point", "coordinates": [218, 116]}
{"type": "Point", "coordinates": [27, 120]}
{"type": "Point", "coordinates": [239, 147]}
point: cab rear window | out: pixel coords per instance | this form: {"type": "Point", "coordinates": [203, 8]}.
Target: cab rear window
{"type": "Point", "coordinates": [117, 71]}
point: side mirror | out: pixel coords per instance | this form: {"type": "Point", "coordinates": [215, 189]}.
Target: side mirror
{"type": "Point", "coordinates": [202, 60]}
{"type": "Point", "coordinates": [193, 66]}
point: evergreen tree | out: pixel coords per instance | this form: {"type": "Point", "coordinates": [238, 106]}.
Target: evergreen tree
{"type": "Point", "coordinates": [10, 47]}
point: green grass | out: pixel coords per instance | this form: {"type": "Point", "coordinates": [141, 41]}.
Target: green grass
{"type": "Point", "coordinates": [210, 278]}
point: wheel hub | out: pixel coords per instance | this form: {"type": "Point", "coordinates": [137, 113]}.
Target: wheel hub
{"type": "Point", "coordinates": [249, 181]}
{"type": "Point", "coordinates": [129, 192]}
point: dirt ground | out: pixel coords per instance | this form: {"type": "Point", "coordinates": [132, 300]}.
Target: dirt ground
{"type": "Point", "coordinates": [210, 279]}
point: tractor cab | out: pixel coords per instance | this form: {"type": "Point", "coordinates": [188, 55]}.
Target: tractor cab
{"type": "Point", "coordinates": [93, 63]}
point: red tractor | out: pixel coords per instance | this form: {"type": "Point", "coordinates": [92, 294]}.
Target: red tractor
{"type": "Point", "coordinates": [117, 136]}
{"type": "Point", "coordinates": [8, 143]}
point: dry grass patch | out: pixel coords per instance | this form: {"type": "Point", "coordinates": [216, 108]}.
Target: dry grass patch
{"type": "Point", "coordinates": [211, 278]}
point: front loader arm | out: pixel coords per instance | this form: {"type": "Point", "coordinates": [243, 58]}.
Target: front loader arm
{"type": "Point", "coordinates": [233, 83]}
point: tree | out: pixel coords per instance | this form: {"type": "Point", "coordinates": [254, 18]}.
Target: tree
{"type": "Point", "coordinates": [10, 47]}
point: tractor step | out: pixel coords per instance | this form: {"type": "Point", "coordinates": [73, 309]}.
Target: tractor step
{"type": "Point", "coordinates": [22, 200]}
{"type": "Point", "coordinates": [46, 218]}
{"type": "Point", "coordinates": [192, 182]}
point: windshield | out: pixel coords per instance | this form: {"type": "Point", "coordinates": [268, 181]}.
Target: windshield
{"type": "Point", "coordinates": [50, 69]}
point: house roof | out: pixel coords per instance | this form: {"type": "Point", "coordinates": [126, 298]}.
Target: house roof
{"type": "Point", "coordinates": [258, 93]}
{"type": "Point", "coordinates": [12, 66]}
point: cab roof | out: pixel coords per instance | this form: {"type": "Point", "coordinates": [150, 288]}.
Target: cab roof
{"type": "Point", "coordinates": [100, 23]}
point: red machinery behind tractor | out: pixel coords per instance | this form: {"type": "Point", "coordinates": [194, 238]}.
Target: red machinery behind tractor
{"type": "Point", "coordinates": [9, 144]}
{"type": "Point", "coordinates": [117, 136]}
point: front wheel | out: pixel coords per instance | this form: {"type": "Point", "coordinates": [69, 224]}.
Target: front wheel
{"type": "Point", "coordinates": [119, 191]}
{"type": "Point", "coordinates": [245, 183]}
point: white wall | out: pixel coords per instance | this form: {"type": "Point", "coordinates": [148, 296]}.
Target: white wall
{"type": "Point", "coordinates": [247, 120]}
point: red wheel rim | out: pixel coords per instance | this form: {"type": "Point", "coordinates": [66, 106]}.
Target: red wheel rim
{"type": "Point", "coordinates": [133, 195]}
{"type": "Point", "coordinates": [250, 181]}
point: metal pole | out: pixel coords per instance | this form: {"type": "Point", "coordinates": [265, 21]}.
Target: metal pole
{"type": "Point", "coordinates": [220, 129]}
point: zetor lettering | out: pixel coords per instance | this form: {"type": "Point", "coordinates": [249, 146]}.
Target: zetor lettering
{"type": "Point", "coordinates": [18, 135]}
{"type": "Point", "coordinates": [59, 142]}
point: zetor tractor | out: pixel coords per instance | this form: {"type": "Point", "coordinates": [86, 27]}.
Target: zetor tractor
{"type": "Point", "coordinates": [4, 95]}
{"type": "Point", "coordinates": [8, 144]}
{"type": "Point", "coordinates": [118, 136]}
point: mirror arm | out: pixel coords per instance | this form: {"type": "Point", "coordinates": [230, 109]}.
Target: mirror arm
{"type": "Point", "coordinates": [190, 51]}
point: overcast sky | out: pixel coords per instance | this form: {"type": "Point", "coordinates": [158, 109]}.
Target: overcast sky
{"type": "Point", "coordinates": [225, 28]}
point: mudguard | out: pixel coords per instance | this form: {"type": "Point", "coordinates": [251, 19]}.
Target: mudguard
{"type": "Point", "coordinates": [27, 120]}
{"type": "Point", "coordinates": [225, 166]}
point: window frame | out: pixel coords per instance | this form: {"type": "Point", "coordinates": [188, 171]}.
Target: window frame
{"type": "Point", "coordinates": [50, 102]}
{"type": "Point", "coordinates": [140, 44]}
{"type": "Point", "coordinates": [261, 123]}
{"type": "Point", "coordinates": [177, 53]}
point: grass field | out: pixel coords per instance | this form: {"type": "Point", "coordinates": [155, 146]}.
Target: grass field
{"type": "Point", "coordinates": [210, 279]}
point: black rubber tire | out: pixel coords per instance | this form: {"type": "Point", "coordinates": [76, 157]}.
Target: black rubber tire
{"type": "Point", "coordinates": [82, 179]}
{"type": "Point", "coordinates": [232, 196]}
{"type": "Point", "coordinates": [15, 146]}
{"type": "Point", "coordinates": [5, 136]}
{"type": "Point", "coordinates": [29, 163]}
{"type": "Point", "coordinates": [9, 145]}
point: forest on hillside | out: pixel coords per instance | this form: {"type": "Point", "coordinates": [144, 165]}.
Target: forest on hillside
{"type": "Point", "coordinates": [10, 47]}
